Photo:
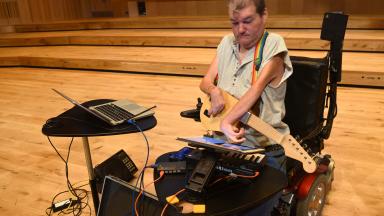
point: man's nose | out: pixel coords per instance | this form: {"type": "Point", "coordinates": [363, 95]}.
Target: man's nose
{"type": "Point", "coordinates": [242, 28]}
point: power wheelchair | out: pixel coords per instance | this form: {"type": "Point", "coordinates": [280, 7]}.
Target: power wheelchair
{"type": "Point", "coordinates": [310, 110]}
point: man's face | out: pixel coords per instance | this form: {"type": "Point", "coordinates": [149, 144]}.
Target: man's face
{"type": "Point", "coordinates": [247, 26]}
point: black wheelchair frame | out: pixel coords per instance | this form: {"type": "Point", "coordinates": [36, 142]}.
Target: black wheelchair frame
{"type": "Point", "coordinates": [311, 89]}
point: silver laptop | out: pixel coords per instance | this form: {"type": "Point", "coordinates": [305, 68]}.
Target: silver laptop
{"type": "Point", "coordinates": [114, 113]}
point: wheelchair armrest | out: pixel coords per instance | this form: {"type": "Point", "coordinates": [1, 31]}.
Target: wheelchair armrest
{"type": "Point", "coordinates": [193, 113]}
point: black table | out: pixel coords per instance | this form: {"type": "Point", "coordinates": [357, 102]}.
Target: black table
{"type": "Point", "coordinates": [76, 122]}
{"type": "Point", "coordinates": [226, 198]}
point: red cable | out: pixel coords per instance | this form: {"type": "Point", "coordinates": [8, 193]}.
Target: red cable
{"type": "Point", "coordinates": [142, 190]}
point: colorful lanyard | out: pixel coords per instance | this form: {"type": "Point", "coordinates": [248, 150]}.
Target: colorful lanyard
{"type": "Point", "coordinates": [258, 56]}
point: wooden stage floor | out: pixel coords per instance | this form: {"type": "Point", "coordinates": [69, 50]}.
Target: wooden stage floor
{"type": "Point", "coordinates": [31, 172]}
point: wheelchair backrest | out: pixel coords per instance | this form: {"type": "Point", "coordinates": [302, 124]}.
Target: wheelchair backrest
{"type": "Point", "coordinates": [306, 95]}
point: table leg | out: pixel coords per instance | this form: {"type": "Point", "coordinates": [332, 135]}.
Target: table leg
{"type": "Point", "coordinates": [91, 173]}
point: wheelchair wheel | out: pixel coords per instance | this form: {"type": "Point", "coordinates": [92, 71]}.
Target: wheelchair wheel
{"type": "Point", "coordinates": [313, 204]}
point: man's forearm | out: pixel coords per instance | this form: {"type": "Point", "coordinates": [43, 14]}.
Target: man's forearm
{"type": "Point", "coordinates": [207, 86]}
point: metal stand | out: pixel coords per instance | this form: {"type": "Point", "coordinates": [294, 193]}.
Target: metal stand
{"type": "Point", "coordinates": [91, 173]}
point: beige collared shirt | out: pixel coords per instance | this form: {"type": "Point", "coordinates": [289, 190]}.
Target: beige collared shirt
{"type": "Point", "coordinates": [235, 77]}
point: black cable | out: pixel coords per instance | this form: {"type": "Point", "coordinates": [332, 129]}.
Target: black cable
{"type": "Point", "coordinates": [50, 142]}
{"type": "Point", "coordinates": [78, 207]}
{"type": "Point", "coordinates": [69, 185]}
{"type": "Point", "coordinates": [145, 137]}
{"type": "Point", "coordinates": [81, 197]}
{"type": "Point", "coordinates": [140, 179]}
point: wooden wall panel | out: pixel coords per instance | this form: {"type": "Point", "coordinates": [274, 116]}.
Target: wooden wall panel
{"type": "Point", "coordinates": [44, 11]}
{"type": "Point", "coordinates": [9, 13]}
{"type": "Point", "coordinates": [133, 10]}
{"type": "Point", "coordinates": [218, 7]}
{"type": "Point", "coordinates": [114, 8]}
{"type": "Point", "coordinates": [25, 12]}
{"type": "Point", "coordinates": [185, 7]}
{"type": "Point", "coordinates": [366, 7]}
{"type": "Point", "coordinates": [3, 13]}
{"type": "Point", "coordinates": [164, 8]}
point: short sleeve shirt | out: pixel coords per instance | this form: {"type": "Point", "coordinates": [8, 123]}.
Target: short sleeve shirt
{"type": "Point", "coordinates": [235, 77]}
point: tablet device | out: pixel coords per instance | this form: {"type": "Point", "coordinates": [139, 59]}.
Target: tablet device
{"type": "Point", "coordinates": [118, 198]}
{"type": "Point", "coordinates": [220, 145]}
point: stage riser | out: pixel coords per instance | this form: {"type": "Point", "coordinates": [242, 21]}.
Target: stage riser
{"type": "Point", "coordinates": [193, 22]}
{"type": "Point", "coordinates": [365, 69]}
{"type": "Point", "coordinates": [355, 40]}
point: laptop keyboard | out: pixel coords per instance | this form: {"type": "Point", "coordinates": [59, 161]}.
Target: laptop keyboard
{"type": "Point", "coordinates": [114, 112]}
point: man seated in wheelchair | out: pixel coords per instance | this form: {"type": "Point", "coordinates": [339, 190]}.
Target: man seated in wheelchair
{"type": "Point", "coordinates": [253, 66]}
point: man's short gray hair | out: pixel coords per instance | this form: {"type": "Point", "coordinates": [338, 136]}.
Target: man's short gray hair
{"type": "Point", "coordinates": [235, 5]}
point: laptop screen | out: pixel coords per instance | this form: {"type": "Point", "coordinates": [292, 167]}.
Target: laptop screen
{"type": "Point", "coordinates": [116, 200]}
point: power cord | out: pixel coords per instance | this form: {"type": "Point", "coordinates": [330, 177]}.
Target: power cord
{"type": "Point", "coordinates": [140, 180]}
{"type": "Point", "coordinates": [74, 205]}
{"type": "Point", "coordinates": [68, 206]}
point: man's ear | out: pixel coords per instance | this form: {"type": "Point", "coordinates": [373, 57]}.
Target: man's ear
{"type": "Point", "coordinates": [265, 13]}
{"type": "Point", "coordinates": [265, 16]}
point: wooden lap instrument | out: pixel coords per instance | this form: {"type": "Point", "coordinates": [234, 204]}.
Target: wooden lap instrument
{"type": "Point", "coordinates": [292, 148]}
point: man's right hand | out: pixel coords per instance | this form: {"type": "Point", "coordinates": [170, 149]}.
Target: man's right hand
{"type": "Point", "coordinates": [217, 101]}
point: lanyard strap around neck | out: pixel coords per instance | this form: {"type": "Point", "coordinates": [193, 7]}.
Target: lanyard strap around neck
{"type": "Point", "coordinates": [258, 56]}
